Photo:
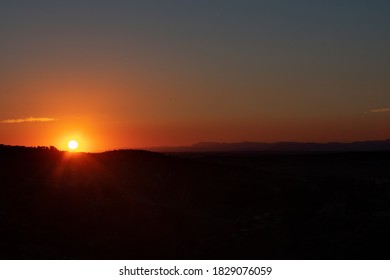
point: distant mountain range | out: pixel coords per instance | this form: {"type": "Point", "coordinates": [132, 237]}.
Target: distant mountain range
{"type": "Point", "coordinates": [380, 145]}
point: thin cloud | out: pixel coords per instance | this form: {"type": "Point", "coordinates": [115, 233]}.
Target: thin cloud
{"type": "Point", "coordinates": [382, 110]}
{"type": "Point", "coordinates": [31, 119]}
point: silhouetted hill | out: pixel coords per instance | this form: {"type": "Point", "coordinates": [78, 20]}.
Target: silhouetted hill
{"type": "Point", "coordinates": [280, 147]}
{"type": "Point", "coordinates": [131, 204]}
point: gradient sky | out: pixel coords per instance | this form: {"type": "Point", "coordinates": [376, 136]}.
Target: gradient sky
{"type": "Point", "coordinates": [123, 74]}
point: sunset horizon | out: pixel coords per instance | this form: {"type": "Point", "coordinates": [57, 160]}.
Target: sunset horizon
{"type": "Point", "coordinates": [236, 135]}
{"type": "Point", "coordinates": [44, 131]}
{"type": "Point", "coordinates": [80, 146]}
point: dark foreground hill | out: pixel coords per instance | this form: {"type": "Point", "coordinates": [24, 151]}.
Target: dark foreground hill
{"type": "Point", "coordinates": [144, 205]}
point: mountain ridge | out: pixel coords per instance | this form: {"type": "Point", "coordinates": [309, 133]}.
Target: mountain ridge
{"type": "Point", "coordinates": [370, 145]}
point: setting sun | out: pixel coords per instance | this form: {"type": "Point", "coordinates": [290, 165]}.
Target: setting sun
{"type": "Point", "coordinates": [73, 145]}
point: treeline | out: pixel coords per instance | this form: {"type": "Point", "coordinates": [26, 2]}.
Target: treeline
{"type": "Point", "coordinates": [24, 148]}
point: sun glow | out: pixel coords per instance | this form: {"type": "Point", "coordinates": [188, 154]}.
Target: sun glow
{"type": "Point", "coordinates": [73, 145]}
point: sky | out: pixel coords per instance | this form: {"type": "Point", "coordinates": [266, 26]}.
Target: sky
{"type": "Point", "coordinates": [132, 74]}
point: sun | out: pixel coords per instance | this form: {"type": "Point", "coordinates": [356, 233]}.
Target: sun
{"type": "Point", "coordinates": [73, 145]}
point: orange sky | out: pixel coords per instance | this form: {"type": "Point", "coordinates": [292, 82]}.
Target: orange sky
{"type": "Point", "coordinates": [97, 134]}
